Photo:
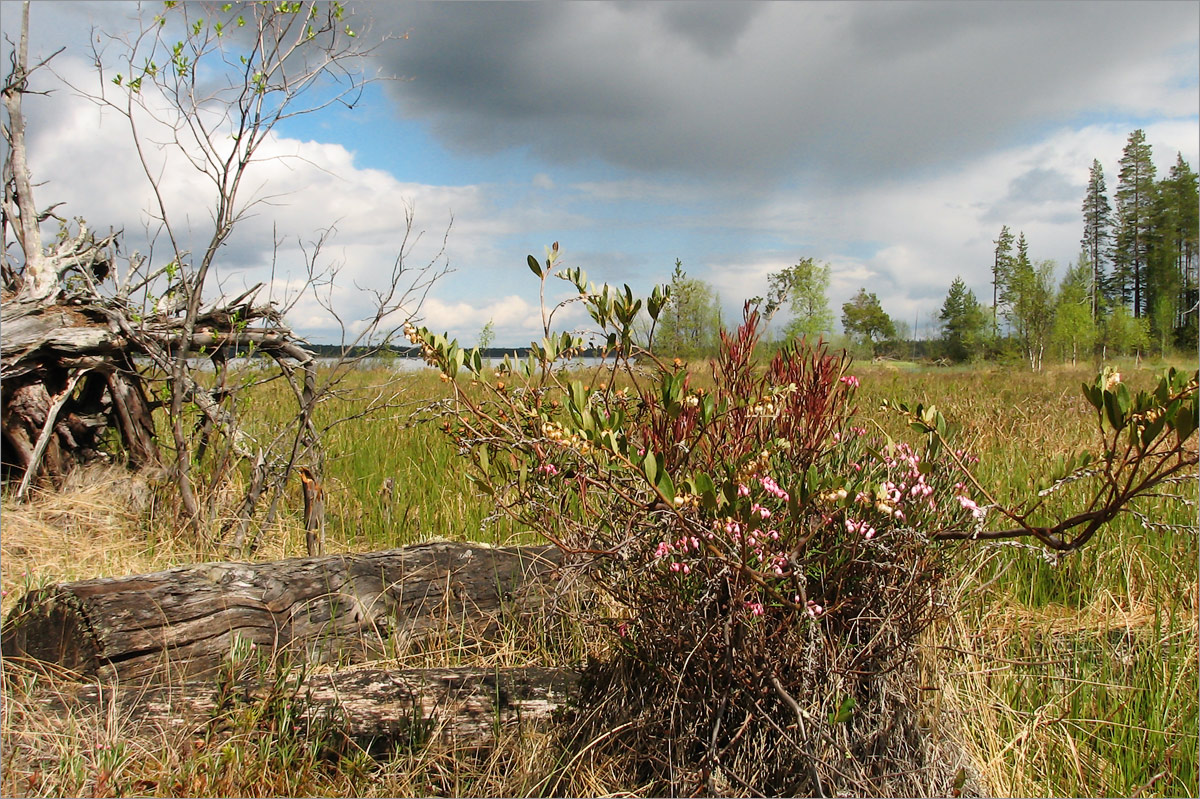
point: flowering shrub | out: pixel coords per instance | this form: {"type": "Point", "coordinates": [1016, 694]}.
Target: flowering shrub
{"type": "Point", "coordinates": [770, 561]}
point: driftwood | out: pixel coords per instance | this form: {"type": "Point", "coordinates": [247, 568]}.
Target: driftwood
{"type": "Point", "coordinates": [377, 709]}
{"type": "Point", "coordinates": [342, 609]}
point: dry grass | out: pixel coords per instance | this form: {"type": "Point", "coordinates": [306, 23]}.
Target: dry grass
{"type": "Point", "coordinates": [1058, 700]}
{"type": "Point", "coordinates": [105, 522]}
{"type": "Point", "coordinates": [92, 528]}
{"type": "Point", "coordinates": [1071, 679]}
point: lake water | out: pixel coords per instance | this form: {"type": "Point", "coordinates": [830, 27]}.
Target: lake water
{"type": "Point", "coordinates": [405, 365]}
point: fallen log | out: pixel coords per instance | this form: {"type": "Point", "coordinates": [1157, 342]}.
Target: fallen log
{"type": "Point", "coordinates": [341, 609]}
{"type": "Point", "coordinates": [375, 709]}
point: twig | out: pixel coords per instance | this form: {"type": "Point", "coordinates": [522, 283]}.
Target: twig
{"type": "Point", "coordinates": [43, 441]}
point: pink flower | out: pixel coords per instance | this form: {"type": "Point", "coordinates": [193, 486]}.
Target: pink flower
{"type": "Point", "coordinates": [866, 530]}
{"type": "Point", "coordinates": [548, 469]}
{"type": "Point", "coordinates": [814, 609]}
{"type": "Point", "coordinates": [664, 549]}
{"type": "Point", "coordinates": [773, 488]}
{"type": "Point", "coordinates": [849, 380]}
{"type": "Point", "coordinates": [755, 608]}
{"type": "Point", "coordinates": [743, 491]}
{"type": "Point", "coordinates": [969, 504]}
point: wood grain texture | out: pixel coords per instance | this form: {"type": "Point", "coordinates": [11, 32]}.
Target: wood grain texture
{"type": "Point", "coordinates": [376, 708]}
{"type": "Point", "coordinates": [334, 609]}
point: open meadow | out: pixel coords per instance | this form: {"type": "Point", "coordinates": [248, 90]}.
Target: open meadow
{"type": "Point", "coordinates": [1051, 675]}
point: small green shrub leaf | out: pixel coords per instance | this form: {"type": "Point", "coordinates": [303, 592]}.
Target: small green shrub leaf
{"type": "Point", "coordinates": [650, 467]}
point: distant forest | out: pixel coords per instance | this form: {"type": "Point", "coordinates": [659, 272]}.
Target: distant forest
{"type": "Point", "coordinates": [1132, 290]}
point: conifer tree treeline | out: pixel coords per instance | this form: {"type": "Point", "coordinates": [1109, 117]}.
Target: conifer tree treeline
{"type": "Point", "coordinates": [1153, 238]}
{"type": "Point", "coordinates": [1134, 286]}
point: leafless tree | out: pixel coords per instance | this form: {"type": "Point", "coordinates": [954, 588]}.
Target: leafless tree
{"type": "Point", "coordinates": [90, 347]}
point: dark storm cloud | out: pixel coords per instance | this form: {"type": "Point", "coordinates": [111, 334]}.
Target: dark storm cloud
{"type": "Point", "coordinates": [751, 90]}
{"type": "Point", "coordinates": [713, 27]}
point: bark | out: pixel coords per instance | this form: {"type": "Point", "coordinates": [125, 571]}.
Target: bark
{"type": "Point", "coordinates": [39, 279]}
{"type": "Point", "coordinates": [338, 608]}
{"type": "Point", "coordinates": [377, 709]}
{"type": "Point", "coordinates": [45, 343]}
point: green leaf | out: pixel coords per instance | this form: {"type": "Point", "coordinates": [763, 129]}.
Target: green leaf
{"type": "Point", "coordinates": [577, 396]}
{"type": "Point", "coordinates": [666, 486]}
{"type": "Point", "coordinates": [650, 467]}
{"type": "Point", "coordinates": [1185, 420]}
{"type": "Point", "coordinates": [1123, 398]}
{"type": "Point", "coordinates": [1112, 411]}
{"type": "Point", "coordinates": [844, 712]}
{"type": "Point", "coordinates": [534, 266]}
{"type": "Point", "coordinates": [1163, 390]}
{"type": "Point", "coordinates": [1151, 430]}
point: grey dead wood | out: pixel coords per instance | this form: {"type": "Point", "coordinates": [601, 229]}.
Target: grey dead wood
{"type": "Point", "coordinates": [342, 609]}
{"type": "Point", "coordinates": [377, 709]}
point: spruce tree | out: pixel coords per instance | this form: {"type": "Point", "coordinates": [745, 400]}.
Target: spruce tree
{"type": "Point", "coordinates": [1017, 266]}
{"type": "Point", "coordinates": [1135, 195]}
{"type": "Point", "coordinates": [962, 321]}
{"type": "Point", "coordinates": [1001, 267]}
{"type": "Point", "coordinates": [1097, 217]}
{"type": "Point", "coordinates": [1182, 238]}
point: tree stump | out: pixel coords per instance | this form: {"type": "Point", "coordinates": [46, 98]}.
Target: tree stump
{"type": "Point", "coordinates": [341, 609]}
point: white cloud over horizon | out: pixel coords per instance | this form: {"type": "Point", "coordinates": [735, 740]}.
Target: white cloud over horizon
{"type": "Point", "coordinates": [891, 141]}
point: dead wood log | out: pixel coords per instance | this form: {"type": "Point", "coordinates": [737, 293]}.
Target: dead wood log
{"type": "Point", "coordinates": [377, 709]}
{"type": "Point", "coordinates": [338, 608]}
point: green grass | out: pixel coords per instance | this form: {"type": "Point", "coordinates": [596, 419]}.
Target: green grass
{"type": "Point", "coordinates": [1068, 676]}
{"type": "Point", "coordinates": [1115, 708]}
{"type": "Point", "coordinates": [1084, 673]}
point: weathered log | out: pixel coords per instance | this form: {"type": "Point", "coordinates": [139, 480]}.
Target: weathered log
{"type": "Point", "coordinates": [338, 608]}
{"type": "Point", "coordinates": [59, 336]}
{"type": "Point", "coordinates": [377, 709]}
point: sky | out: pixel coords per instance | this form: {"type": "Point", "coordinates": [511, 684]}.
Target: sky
{"type": "Point", "coordinates": [891, 140]}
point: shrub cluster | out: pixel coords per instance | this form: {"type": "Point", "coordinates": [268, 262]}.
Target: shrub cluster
{"type": "Point", "coordinates": [768, 564]}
